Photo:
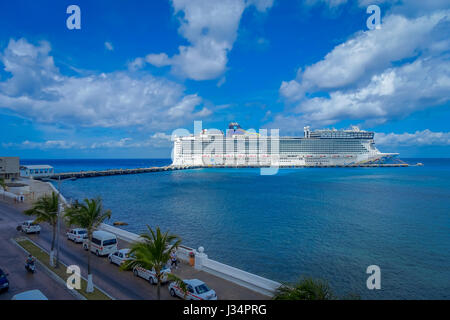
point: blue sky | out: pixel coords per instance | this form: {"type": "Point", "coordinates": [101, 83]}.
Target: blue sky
{"type": "Point", "coordinates": [137, 70]}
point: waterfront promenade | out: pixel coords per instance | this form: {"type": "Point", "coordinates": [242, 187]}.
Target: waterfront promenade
{"type": "Point", "coordinates": [119, 284]}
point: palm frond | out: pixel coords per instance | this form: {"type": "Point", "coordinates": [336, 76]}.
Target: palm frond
{"type": "Point", "coordinates": [306, 289]}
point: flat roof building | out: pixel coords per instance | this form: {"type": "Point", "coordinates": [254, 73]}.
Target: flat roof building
{"type": "Point", "coordinates": [9, 168]}
{"type": "Point", "coordinates": [31, 171]}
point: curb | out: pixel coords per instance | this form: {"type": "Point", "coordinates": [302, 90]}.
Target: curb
{"type": "Point", "coordinates": [58, 278]}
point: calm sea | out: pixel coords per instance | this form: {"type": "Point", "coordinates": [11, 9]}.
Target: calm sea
{"type": "Point", "coordinates": [326, 223]}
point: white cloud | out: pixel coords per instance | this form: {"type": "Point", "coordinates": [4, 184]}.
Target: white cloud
{"type": "Point", "coordinates": [109, 46]}
{"type": "Point", "coordinates": [406, 7]}
{"type": "Point", "coordinates": [329, 3]}
{"type": "Point", "coordinates": [261, 5]}
{"type": "Point", "coordinates": [49, 144]}
{"type": "Point", "coordinates": [419, 138]}
{"type": "Point", "coordinates": [136, 64]}
{"type": "Point", "coordinates": [157, 140]}
{"type": "Point", "coordinates": [158, 60]}
{"type": "Point", "coordinates": [112, 144]}
{"type": "Point", "coordinates": [395, 93]}
{"type": "Point", "coordinates": [210, 27]}
{"type": "Point", "coordinates": [365, 54]}
{"type": "Point", "coordinates": [39, 91]}
{"type": "Point", "coordinates": [374, 76]}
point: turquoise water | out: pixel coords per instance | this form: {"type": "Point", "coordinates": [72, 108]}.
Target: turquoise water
{"type": "Point", "coordinates": [328, 223]}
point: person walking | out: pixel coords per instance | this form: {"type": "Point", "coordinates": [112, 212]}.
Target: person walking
{"type": "Point", "coordinates": [173, 259]}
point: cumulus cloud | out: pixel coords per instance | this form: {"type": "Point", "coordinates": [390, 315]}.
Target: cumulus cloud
{"type": "Point", "coordinates": [210, 27]}
{"type": "Point", "coordinates": [392, 94]}
{"type": "Point", "coordinates": [376, 75]}
{"type": "Point", "coordinates": [37, 89]}
{"type": "Point", "coordinates": [158, 60]}
{"type": "Point", "coordinates": [419, 138]}
{"type": "Point", "coordinates": [368, 52]}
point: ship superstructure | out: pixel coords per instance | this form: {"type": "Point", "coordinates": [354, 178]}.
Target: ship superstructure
{"type": "Point", "coordinates": [238, 147]}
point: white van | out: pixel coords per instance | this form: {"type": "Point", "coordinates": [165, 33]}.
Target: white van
{"type": "Point", "coordinates": [30, 227]}
{"type": "Point", "coordinates": [103, 243]}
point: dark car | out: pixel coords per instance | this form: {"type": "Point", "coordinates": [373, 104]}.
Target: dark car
{"type": "Point", "coordinates": [4, 283]}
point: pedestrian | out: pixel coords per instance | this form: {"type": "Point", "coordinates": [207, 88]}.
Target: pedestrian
{"type": "Point", "coordinates": [173, 259]}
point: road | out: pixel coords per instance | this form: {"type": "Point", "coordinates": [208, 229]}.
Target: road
{"type": "Point", "coordinates": [12, 262]}
{"type": "Point", "coordinates": [122, 285]}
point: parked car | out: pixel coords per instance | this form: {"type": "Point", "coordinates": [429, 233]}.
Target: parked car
{"type": "Point", "coordinates": [4, 282]}
{"type": "Point", "coordinates": [150, 275]}
{"type": "Point", "coordinates": [196, 290]}
{"type": "Point", "coordinates": [120, 256]}
{"type": "Point", "coordinates": [77, 235]}
{"type": "Point", "coordinates": [30, 227]}
{"type": "Point", "coordinates": [30, 295]}
{"type": "Point", "coordinates": [103, 243]}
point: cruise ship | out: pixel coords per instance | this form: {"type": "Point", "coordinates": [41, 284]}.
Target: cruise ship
{"type": "Point", "coordinates": [238, 147]}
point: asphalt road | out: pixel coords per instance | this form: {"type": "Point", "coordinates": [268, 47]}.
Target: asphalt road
{"type": "Point", "coordinates": [119, 284]}
{"type": "Point", "coordinates": [12, 262]}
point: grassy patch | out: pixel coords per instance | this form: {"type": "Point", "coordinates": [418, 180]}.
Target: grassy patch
{"type": "Point", "coordinates": [44, 258]}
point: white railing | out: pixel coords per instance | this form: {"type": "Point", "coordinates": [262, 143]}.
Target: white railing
{"type": "Point", "coordinates": [202, 262]}
{"type": "Point", "coordinates": [6, 194]}
{"type": "Point", "coordinates": [241, 277]}
{"type": "Point", "coordinates": [183, 253]}
{"type": "Point", "coordinates": [120, 233]}
{"type": "Point", "coordinates": [63, 200]}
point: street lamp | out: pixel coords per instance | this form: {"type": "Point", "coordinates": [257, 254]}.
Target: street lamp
{"type": "Point", "coordinates": [58, 223]}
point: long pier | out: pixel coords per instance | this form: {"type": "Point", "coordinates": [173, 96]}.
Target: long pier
{"type": "Point", "coordinates": [115, 172]}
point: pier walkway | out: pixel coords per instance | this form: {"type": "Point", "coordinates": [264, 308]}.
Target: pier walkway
{"type": "Point", "coordinates": [115, 172]}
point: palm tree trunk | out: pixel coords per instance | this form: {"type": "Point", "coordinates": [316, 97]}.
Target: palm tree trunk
{"type": "Point", "coordinates": [90, 285]}
{"type": "Point", "coordinates": [158, 289]}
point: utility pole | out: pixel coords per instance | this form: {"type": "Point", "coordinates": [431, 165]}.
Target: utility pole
{"type": "Point", "coordinates": [58, 223]}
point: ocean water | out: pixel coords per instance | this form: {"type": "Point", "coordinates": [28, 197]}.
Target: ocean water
{"type": "Point", "coordinates": [329, 223]}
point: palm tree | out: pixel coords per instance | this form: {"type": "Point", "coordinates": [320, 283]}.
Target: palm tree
{"type": "Point", "coordinates": [153, 252]}
{"type": "Point", "coordinates": [46, 210]}
{"type": "Point", "coordinates": [2, 183]}
{"type": "Point", "coordinates": [88, 214]}
{"type": "Point", "coordinates": [305, 289]}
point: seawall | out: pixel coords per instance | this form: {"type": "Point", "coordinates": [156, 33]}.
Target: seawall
{"type": "Point", "coordinates": [202, 262]}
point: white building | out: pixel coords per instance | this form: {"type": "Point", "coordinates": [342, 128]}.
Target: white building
{"type": "Point", "coordinates": [32, 171]}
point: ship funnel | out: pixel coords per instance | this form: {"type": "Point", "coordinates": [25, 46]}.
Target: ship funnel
{"type": "Point", "coordinates": [306, 131]}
